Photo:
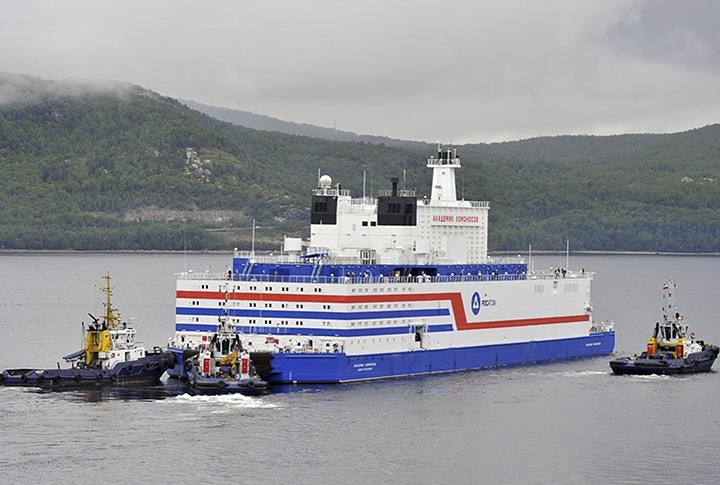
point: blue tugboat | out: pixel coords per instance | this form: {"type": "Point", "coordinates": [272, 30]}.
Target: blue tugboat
{"type": "Point", "coordinates": [670, 350]}
{"type": "Point", "coordinates": [222, 366]}
{"type": "Point", "coordinates": [111, 356]}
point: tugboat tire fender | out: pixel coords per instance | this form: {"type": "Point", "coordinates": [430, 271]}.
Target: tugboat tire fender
{"type": "Point", "coordinates": [163, 365]}
{"type": "Point", "coordinates": [40, 377]}
{"type": "Point", "coordinates": [221, 383]}
{"type": "Point", "coordinates": [251, 384]}
{"type": "Point", "coordinates": [129, 368]}
{"type": "Point", "coordinates": [24, 378]}
{"type": "Point", "coordinates": [77, 377]}
{"type": "Point", "coordinates": [187, 366]}
{"type": "Point", "coordinates": [147, 366]}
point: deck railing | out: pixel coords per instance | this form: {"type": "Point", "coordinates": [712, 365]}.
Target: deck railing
{"type": "Point", "coordinates": [374, 280]}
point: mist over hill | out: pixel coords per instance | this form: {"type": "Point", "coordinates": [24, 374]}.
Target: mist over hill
{"type": "Point", "coordinates": [115, 166]}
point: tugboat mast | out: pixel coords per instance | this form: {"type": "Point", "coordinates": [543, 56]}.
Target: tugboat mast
{"type": "Point", "coordinates": [670, 314]}
{"type": "Point", "coordinates": [111, 318]}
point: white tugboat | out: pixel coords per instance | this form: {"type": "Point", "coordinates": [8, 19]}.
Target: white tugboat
{"type": "Point", "coordinates": [222, 366]}
{"type": "Point", "coordinates": [111, 355]}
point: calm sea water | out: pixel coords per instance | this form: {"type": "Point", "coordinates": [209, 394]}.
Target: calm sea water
{"type": "Point", "coordinates": [565, 422]}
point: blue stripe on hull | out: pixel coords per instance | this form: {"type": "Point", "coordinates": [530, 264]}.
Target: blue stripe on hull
{"type": "Point", "coordinates": [325, 332]}
{"type": "Point", "coordinates": [331, 368]}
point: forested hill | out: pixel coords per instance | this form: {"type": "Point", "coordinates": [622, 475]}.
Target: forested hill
{"type": "Point", "coordinates": [120, 167]}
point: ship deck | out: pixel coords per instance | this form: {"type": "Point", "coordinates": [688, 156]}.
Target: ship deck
{"type": "Point", "coordinates": [375, 280]}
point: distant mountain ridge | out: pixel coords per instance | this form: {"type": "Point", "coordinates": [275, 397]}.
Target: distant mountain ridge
{"type": "Point", "coordinates": [267, 123]}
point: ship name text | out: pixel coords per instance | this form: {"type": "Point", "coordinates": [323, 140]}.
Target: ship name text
{"type": "Point", "coordinates": [459, 219]}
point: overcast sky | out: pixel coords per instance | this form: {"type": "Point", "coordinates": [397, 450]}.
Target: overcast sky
{"type": "Point", "coordinates": [447, 71]}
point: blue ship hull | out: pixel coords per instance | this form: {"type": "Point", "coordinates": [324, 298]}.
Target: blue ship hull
{"type": "Point", "coordinates": [339, 367]}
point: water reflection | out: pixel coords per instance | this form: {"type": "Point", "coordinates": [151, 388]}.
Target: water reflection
{"type": "Point", "coordinates": [129, 392]}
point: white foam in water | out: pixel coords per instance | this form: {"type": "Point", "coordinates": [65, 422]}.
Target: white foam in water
{"type": "Point", "coordinates": [583, 373]}
{"type": "Point", "coordinates": [652, 377]}
{"type": "Point", "coordinates": [225, 400]}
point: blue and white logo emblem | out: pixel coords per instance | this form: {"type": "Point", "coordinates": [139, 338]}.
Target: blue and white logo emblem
{"type": "Point", "coordinates": [475, 303]}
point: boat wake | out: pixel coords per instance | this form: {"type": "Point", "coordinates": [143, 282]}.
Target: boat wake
{"type": "Point", "coordinates": [583, 373]}
{"type": "Point", "coordinates": [651, 377]}
{"type": "Point", "coordinates": [225, 400]}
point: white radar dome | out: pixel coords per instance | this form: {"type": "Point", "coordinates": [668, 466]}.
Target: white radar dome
{"type": "Point", "coordinates": [325, 181]}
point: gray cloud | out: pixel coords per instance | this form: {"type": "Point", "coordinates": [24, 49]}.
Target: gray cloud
{"type": "Point", "coordinates": [430, 70]}
{"type": "Point", "coordinates": [670, 31]}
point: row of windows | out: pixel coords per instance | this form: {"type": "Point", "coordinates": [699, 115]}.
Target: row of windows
{"type": "Point", "coordinates": [382, 289]}
{"type": "Point", "coordinates": [376, 323]}
{"type": "Point", "coordinates": [253, 321]}
{"type": "Point", "coordinates": [298, 289]}
{"type": "Point", "coordinates": [281, 322]}
{"type": "Point", "coordinates": [270, 288]}
{"type": "Point", "coordinates": [389, 305]}
{"type": "Point", "coordinates": [375, 340]}
{"type": "Point", "coordinates": [319, 289]}
{"type": "Point", "coordinates": [253, 304]}
{"type": "Point", "coordinates": [365, 323]}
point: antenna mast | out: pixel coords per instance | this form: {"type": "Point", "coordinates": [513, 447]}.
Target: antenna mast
{"type": "Point", "coordinates": [567, 254]}
{"type": "Point", "coordinates": [253, 240]}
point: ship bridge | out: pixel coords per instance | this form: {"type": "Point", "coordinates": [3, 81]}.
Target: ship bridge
{"type": "Point", "coordinates": [397, 227]}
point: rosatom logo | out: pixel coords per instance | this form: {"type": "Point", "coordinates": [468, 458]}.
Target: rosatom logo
{"type": "Point", "coordinates": [475, 303]}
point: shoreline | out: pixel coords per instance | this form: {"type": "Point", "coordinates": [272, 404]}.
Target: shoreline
{"type": "Point", "coordinates": [495, 254]}
{"type": "Point", "coordinates": [602, 253]}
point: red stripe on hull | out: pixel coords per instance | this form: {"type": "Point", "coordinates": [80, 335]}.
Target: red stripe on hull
{"type": "Point", "coordinates": [461, 322]}
{"type": "Point", "coordinates": [524, 322]}
{"type": "Point", "coordinates": [294, 297]}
